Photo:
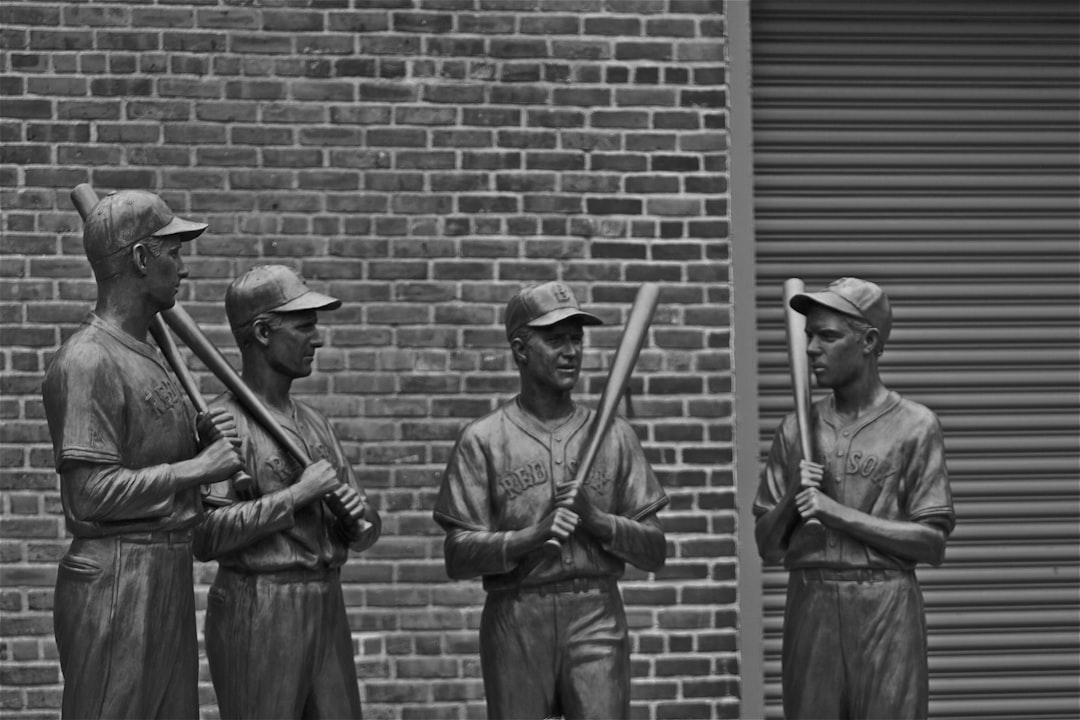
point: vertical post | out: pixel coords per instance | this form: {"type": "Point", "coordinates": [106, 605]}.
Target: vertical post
{"type": "Point", "coordinates": [744, 339]}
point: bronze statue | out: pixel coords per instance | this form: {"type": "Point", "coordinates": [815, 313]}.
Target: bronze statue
{"type": "Point", "coordinates": [277, 635]}
{"type": "Point", "coordinates": [130, 465]}
{"type": "Point", "coordinates": [854, 627]}
{"type": "Point", "coordinates": [553, 634]}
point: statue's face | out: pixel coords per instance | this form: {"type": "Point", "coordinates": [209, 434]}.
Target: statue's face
{"type": "Point", "coordinates": [835, 348]}
{"type": "Point", "coordinates": [553, 356]}
{"type": "Point", "coordinates": [291, 344]}
{"type": "Point", "coordinates": [164, 271]}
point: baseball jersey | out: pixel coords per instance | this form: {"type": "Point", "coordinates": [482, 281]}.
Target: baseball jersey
{"type": "Point", "coordinates": [269, 534]}
{"type": "Point", "coordinates": [111, 401]}
{"type": "Point", "coordinates": [502, 475]}
{"type": "Point", "coordinates": [889, 463]}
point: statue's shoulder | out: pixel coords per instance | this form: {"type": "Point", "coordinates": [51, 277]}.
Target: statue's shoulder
{"type": "Point", "coordinates": [488, 425]}
{"type": "Point", "coordinates": [87, 350]}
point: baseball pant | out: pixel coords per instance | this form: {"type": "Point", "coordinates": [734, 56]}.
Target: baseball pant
{"type": "Point", "coordinates": [556, 651]}
{"type": "Point", "coordinates": [854, 645]}
{"type": "Point", "coordinates": [279, 646]}
{"type": "Point", "coordinates": [124, 619]}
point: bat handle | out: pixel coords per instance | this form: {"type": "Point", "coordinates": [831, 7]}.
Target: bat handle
{"type": "Point", "coordinates": [553, 544]}
{"type": "Point", "coordinates": [811, 526]}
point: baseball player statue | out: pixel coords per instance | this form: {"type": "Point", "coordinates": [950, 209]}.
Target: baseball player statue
{"type": "Point", "coordinates": [277, 635]}
{"type": "Point", "coordinates": [553, 634]}
{"type": "Point", "coordinates": [130, 463]}
{"type": "Point", "coordinates": [854, 627]}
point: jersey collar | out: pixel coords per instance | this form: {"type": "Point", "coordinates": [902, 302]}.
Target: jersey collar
{"type": "Point", "coordinates": [145, 349]}
{"type": "Point", "coordinates": [542, 432]}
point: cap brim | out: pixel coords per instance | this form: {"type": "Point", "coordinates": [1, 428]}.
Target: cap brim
{"type": "Point", "coordinates": [181, 229]}
{"type": "Point", "coordinates": [310, 300]}
{"type": "Point", "coordinates": [562, 314]}
{"type": "Point", "coordinates": [803, 303]}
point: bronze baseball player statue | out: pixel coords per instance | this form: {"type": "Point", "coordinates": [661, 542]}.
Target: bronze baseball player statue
{"type": "Point", "coordinates": [277, 635]}
{"type": "Point", "coordinates": [854, 627]}
{"type": "Point", "coordinates": [130, 464]}
{"type": "Point", "coordinates": [553, 634]}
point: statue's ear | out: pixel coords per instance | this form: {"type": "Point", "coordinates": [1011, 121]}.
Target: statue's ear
{"type": "Point", "coordinates": [140, 256]}
{"type": "Point", "coordinates": [517, 347]}
{"type": "Point", "coordinates": [261, 331]}
{"type": "Point", "coordinates": [872, 342]}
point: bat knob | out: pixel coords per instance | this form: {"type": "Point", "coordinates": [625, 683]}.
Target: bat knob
{"type": "Point", "coordinates": [334, 504]}
{"type": "Point", "coordinates": [244, 485]}
{"type": "Point", "coordinates": [814, 530]}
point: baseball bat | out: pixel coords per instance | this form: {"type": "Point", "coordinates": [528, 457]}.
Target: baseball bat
{"type": "Point", "coordinates": [634, 334]}
{"type": "Point", "coordinates": [795, 325]}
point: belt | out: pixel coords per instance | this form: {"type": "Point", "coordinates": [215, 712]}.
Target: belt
{"type": "Point", "coordinates": [295, 575]}
{"type": "Point", "coordinates": [574, 585]}
{"type": "Point", "coordinates": [821, 574]}
{"type": "Point", "coordinates": [153, 537]}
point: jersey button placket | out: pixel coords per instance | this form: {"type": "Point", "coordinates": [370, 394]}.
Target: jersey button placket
{"type": "Point", "coordinates": [841, 451]}
{"type": "Point", "coordinates": [558, 454]}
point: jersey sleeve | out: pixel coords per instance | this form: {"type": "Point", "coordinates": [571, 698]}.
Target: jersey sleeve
{"type": "Point", "coordinates": [640, 493]}
{"type": "Point", "coordinates": [463, 509]}
{"type": "Point", "coordinates": [772, 483]}
{"type": "Point", "coordinates": [231, 523]}
{"type": "Point", "coordinates": [106, 492]}
{"type": "Point", "coordinates": [928, 496]}
{"type": "Point", "coordinates": [84, 403]}
{"type": "Point", "coordinates": [463, 500]}
{"type": "Point", "coordinates": [227, 527]}
{"type": "Point", "coordinates": [637, 537]}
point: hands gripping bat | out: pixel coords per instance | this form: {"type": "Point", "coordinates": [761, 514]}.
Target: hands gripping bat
{"type": "Point", "coordinates": [633, 338]}
{"type": "Point", "coordinates": [795, 325]}
{"type": "Point", "coordinates": [189, 332]}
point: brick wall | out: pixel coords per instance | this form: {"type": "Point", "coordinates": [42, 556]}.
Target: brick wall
{"type": "Point", "coordinates": [421, 160]}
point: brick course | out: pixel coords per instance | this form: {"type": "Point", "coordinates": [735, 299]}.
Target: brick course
{"type": "Point", "coordinates": [421, 159]}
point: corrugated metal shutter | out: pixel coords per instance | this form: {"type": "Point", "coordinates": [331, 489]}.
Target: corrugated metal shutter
{"type": "Point", "coordinates": [933, 147]}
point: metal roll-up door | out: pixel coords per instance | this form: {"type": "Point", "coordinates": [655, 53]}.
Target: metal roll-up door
{"type": "Point", "coordinates": [932, 146]}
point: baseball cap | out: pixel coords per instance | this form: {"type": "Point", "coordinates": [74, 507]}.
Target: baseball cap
{"type": "Point", "coordinates": [271, 288]}
{"type": "Point", "coordinates": [851, 296]}
{"type": "Point", "coordinates": [542, 305]}
{"type": "Point", "coordinates": [121, 219]}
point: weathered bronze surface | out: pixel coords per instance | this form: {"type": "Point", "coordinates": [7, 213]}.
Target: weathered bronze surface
{"type": "Point", "coordinates": [854, 627]}
{"type": "Point", "coordinates": [131, 456]}
{"type": "Point", "coordinates": [277, 636]}
{"type": "Point", "coordinates": [553, 635]}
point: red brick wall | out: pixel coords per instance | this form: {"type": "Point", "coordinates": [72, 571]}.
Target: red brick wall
{"type": "Point", "coordinates": [420, 159]}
